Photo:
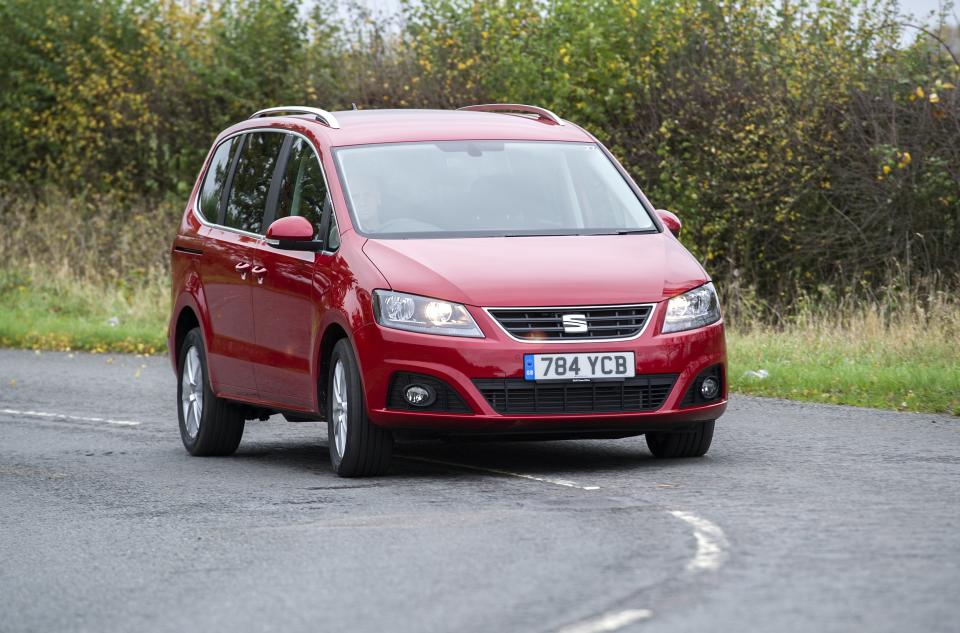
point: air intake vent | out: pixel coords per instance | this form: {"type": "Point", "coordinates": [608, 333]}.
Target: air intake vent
{"type": "Point", "coordinates": [515, 395]}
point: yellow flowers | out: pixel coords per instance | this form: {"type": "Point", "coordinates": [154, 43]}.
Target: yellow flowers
{"type": "Point", "coordinates": [902, 160]}
{"type": "Point", "coordinates": [934, 96]}
{"type": "Point", "coordinates": [905, 159]}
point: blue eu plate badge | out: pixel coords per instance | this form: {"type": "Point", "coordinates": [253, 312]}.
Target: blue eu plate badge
{"type": "Point", "coordinates": [528, 371]}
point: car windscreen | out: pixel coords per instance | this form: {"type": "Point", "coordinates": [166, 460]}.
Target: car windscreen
{"type": "Point", "coordinates": [487, 188]}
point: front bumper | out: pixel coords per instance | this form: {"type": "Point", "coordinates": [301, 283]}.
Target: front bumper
{"type": "Point", "coordinates": [458, 361]}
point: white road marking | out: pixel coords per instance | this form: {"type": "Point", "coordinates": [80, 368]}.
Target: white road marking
{"type": "Point", "coordinates": [608, 621]}
{"type": "Point", "coordinates": [712, 544]}
{"type": "Point", "coordinates": [566, 483]}
{"type": "Point", "coordinates": [68, 418]}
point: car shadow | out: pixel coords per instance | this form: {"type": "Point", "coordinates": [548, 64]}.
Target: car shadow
{"type": "Point", "coordinates": [432, 458]}
{"type": "Point", "coordinates": [551, 457]}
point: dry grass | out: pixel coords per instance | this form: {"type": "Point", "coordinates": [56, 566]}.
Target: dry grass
{"type": "Point", "coordinates": [85, 273]}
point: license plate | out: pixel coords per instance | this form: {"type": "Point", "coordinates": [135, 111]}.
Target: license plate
{"type": "Point", "coordinates": [581, 366]}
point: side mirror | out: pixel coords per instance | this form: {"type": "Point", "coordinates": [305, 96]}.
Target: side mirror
{"type": "Point", "coordinates": [293, 233]}
{"type": "Point", "coordinates": [671, 221]}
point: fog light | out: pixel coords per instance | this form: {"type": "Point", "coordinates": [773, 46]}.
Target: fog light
{"type": "Point", "coordinates": [709, 388]}
{"type": "Point", "coordinates": [419, 395]}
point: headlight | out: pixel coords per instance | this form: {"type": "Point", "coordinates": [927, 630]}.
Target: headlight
{"type": "Point", "coordinates": [692, 309]}
{"type": "Point", "coordinates": [422, 314]}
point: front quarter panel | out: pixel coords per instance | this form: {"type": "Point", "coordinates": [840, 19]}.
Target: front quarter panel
{"type": "Point", "coordinates": [187, 292]}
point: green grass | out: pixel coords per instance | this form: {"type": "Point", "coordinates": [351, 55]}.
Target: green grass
{"type": "Point", "coordinates": [905, 360]}
{"type": "Point", "coordinates": [924, 376]}
{"type": "Point", "coordinates": [54, 314]}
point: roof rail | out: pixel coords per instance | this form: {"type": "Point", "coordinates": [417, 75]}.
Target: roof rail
{"type": "Point", "coordinates": [322, 115]}
{"type": "Point", "coordinates": [542, 113]}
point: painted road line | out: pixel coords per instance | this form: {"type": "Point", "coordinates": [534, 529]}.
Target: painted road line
{"type": "Point", "coordinates": [68, 418]}
{"type": "Point", "coordinates": [608, 621]}
{"type": "Point", "coordinates": [566, 483]}
{"type": "Point", "coordinates": [712, 544]}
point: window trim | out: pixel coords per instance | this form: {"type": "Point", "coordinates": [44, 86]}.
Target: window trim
{"type": "Point", "coordinates": [270, 200]}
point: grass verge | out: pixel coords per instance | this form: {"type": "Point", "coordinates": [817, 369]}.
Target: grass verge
{"type": "Point", "coordinates": [904, 360]}
{"type": "Point", "coordinates": [924, 376]}
{"type": "Point", "coordinates": [55, 314]}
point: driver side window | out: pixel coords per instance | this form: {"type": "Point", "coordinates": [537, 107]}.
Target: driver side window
{"type": "Point", "coordinates": [303, 190]}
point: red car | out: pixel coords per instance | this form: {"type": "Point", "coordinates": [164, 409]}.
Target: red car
{"type": "Point", "coordinates": [491, 271]}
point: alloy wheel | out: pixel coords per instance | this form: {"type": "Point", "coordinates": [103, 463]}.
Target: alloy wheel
{"type": "Point", "coordinates": [191, 392]}
{"type": "Point", "coordinates": [340, 406]}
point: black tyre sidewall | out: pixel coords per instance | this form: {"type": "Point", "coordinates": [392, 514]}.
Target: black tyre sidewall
{"type": "Point", "coordinates": [355, 403]}
{"type": "Point", "coordinates": [221, 423]}
{"type": "Point", "coordinates": [361, 456]}
{"type": "Point", "coordinates": [192, 339]}
{"type": "Point", "coordinates": [672, 445]}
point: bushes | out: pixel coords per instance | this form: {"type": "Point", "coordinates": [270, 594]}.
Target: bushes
{"type": "Point", "coordinates": [799, 143]}
{"type": "Point", "coordinates": [787, 136]}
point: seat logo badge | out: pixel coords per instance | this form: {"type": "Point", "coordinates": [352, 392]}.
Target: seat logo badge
{"type": "Point", "coordinates": [574, 323]}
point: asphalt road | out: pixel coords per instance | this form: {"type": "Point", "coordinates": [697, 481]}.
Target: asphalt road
{"type": "Point", "coordinates": [801, 518]}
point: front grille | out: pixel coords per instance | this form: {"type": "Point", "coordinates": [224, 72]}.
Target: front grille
{"type": "Point", "coordinates": [516, 395]}
{"type": "Point", "coordinates": [547, 324]}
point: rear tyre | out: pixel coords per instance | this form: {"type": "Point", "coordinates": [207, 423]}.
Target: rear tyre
{"type": "Point", "coordinates": [694, 443]}
{"type": "Point", "coordinates": [357, 447]}
{"type": "Point", "coordinates": [208, 425]}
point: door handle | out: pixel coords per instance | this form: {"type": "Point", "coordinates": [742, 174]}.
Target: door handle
{"type": "Point", "coordinates": [259, 272]}
{"type": "Point", "coordinates": [242, 268]}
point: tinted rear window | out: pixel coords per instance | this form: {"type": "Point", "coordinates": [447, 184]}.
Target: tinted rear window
{"type": "Point", "coordinates": [251, 181]}
{"type": "Point", "coordinates": [215, 180]}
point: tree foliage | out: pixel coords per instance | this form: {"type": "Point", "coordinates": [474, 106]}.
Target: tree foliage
{"type": "Point", "coordinates": [800, 141]}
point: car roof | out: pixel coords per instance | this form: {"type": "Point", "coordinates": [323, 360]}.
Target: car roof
{"type": "Point", "coordinates": [364, 127]}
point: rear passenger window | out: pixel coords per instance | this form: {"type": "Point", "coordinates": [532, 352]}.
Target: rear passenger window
{"type": "Point", "coordinates": [215, 179]}
{"type": "Point", "coordinates": [303, 190]}
{"type": "Point", "coordinates": [251, 181]}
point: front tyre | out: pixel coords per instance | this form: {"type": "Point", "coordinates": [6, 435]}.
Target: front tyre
{"type": "Point", "coordinates": [672, 444]}
{"type": "Point", "coordinates": [208, 425]}
{"type": "Point", "coordinates": [357, 447]}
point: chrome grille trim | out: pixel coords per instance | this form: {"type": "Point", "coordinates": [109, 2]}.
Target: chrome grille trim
{"type": "Point", "coordinates": [554, 323]}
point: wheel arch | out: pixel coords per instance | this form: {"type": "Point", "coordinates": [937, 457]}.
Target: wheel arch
{"type": "Point", "coordinates": [186, 321]}
{"type": "Point", "coordinates": [331, 335]}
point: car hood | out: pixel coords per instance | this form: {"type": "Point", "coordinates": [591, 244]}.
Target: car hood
{"type": "Point", "coordinates": [539, 271]}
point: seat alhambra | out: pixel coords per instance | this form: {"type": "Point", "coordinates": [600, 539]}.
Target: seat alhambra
{"type": "Point", "coordinates": [488, 272]}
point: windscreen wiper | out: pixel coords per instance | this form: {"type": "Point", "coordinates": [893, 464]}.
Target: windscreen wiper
{"type": "Point", "coordinates": [539, 234]}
